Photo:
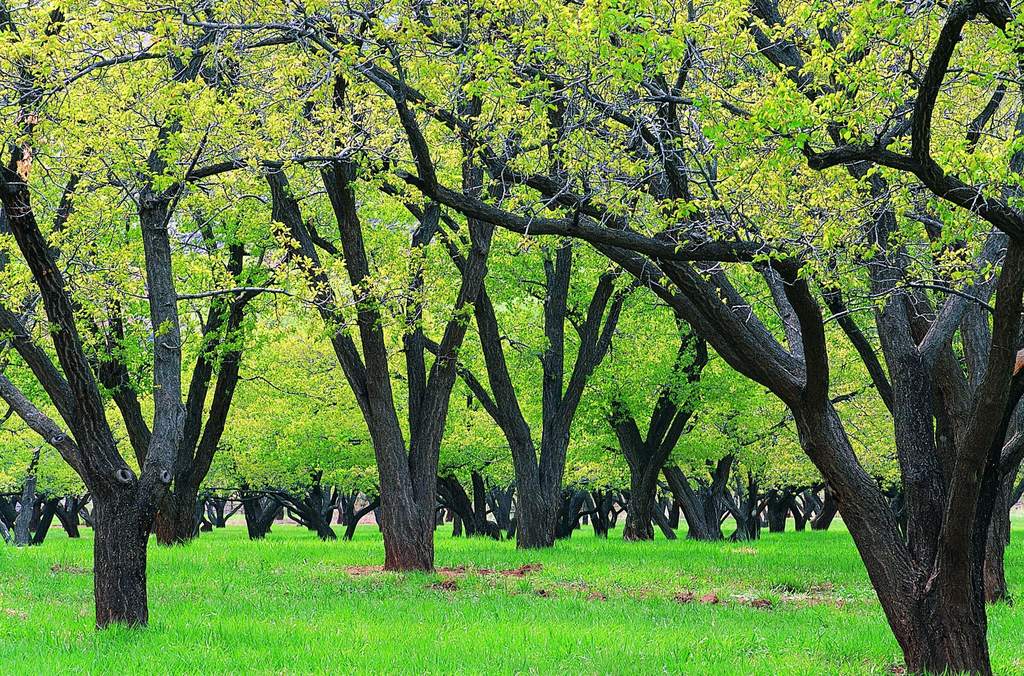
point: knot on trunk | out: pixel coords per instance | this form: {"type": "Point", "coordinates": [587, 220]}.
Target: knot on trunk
{"type": "Point", "coordinates": [124, 476]}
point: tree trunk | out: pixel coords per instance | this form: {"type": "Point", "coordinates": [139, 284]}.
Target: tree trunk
{"type": "Point", "coordinates": [408, 535]}
{"type": "Point", "coordinates": [353, 520]}
{"type": "Point", "coordinates": [67, 514]}
{"type": "Point", "coordinates": [939, 637]}
{"type": "Point", "coordinates": [570, 512]}
{"type": "Point", "coordinates": [602, 506]}
{"type": "Point", "coordinates": [119, 561]}
{"type": "Point", "coordinates": [828, 512]}
{"type": "Point", "coordinates": [23, 524]}
{"type": "Point", "coordinates": [745, 511]}
{"type": "Point", "coordinates": [642, 488]}
{"type": "Point", "coordinates": [45, 520]}
{"type": "Point", "coordinates": [536, 518]}
{"type": "Point", "coordinates": [701, 508]}
{"type": "Point", "coordinates": [778, 510]}
{"type": "Point", "coordinates": [176, 522]}
{"type": "Point", "coordinates": [995, 546]}
{"type": "Point", "coordinates": [259, 515]}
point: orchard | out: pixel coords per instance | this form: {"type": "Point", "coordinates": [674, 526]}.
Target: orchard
{"type": "Point", "coordinates": [453, 336]}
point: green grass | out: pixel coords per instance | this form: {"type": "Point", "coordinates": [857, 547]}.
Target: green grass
{"type": "Point", "coordinates": [289, 604]}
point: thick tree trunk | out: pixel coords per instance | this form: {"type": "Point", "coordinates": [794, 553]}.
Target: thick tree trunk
{"type": "Point", "coordinates": [176, 522]}
{"type": "Point", "coordinates": [778, 510]}
{"type": "Point", "coordinates": [22, 525]}
{"type": "Point", "coordinates": [571, 512]}
{"type": "Point", "coordinates": [119, 561]}
{"type": "Point", "coordinates": [746, 511]}
{"type": "Point", "coordinates": [602, 506]}
{"type": "Point", "coordinates": [408, 535]}
{"type": "Point", "coordinates": [639, 519]}
{"type": "Point", "coordinates": [937, 637]}
{"type": "Point", "coordinates": [500, 500]}
{"type": "Point", "coordinates": [536, 518]}
{"type": "Point", "coordinates": [259, 514]}
{"type": "Point", "coordinates": [673, 515]}
{"type": "Point", "coordinates": [702, 508]}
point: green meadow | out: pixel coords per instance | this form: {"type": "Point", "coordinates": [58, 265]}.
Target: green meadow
{"type": "Point", "coordinates": [789, 603]}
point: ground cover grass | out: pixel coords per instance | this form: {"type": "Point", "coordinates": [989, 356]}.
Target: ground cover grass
{"type": "Point", "coordinates": [789, 603]}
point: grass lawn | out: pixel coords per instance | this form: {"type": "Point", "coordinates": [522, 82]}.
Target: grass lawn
{"type": "Point", "coordinates": [295, 604]}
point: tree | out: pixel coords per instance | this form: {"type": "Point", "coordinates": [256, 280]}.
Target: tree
{"type": "Point", "coordinates": [645, 380]}
{"type": "Point", "coordinates": [54, 54]}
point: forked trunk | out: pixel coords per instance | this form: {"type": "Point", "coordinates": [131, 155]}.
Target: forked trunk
{"type": "Point", "coordinates": [828, 512]}
{"type": "Point", "coordinates": [177, 522]}
{"type": "Point", "coordinates": [119, 561]}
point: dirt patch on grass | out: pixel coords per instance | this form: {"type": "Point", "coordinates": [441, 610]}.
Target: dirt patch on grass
{"type": "Point", "coordinates": [523, 570]}
{"type": "Point", "coordinates": [811, 599]}
{"type": "Point", "coordinates": [710, 598]}
{"type": "Point", "coordinates": [69, 569]}
{"type": "Point", "coordinates": [359, 571]}
{"type": "Point", "coordinates": [754, 601]}
{"type": "Point", "coordinates": [453, 572]}
{"type": "Point", "coordinates": [447, 585]}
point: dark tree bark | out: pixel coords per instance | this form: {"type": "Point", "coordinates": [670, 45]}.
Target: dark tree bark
{"type": "Point", "coordinates": [259, 511]}
{"type": "Point", "coordinates": [928, 575]}
{"type": "Point", "coordinates": [571, 512]}
{"type": "Point", "coordinates": [118, 496]}
{"type": "Point", "coordinates": [119, 561]}
{"type": "Point", "coordinates": [472, 514]}
{"type": "Point", "coordinates": [829, 509]}
{"type": "Point", "coordinates": [22, 525]}
{"type": "Point", "coordinates": [778, 507]}
{"type": "Point", "coordinates": [8, 510]}
{"type": "Point", "coordinates": [646, 455]}
{"type": "Point", "coordinates": [350, 528]}
{"type": "Point", "coordinates": [313, 509]}
{"type": "Point", "coordinates": [47, 512]}
{"type": "Point", "coordinates": [603, 504]}
{"type": "Point", "coordinates": [500, 502]}
{"type": "Point", "coordinates": [746, 510]}
{"type": "Point", "coordinates": [797, 509]}
{"type": "Point", "coordinates": [68, 515]}
{"type": "Point", "coordinates": [539, 475]}
{"type": "Point", "coordinates": [408, 473]}
{"type": "Point", "coordinates": [702, 508]}
{"type": "Point", "coordinates": [180, 512]}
